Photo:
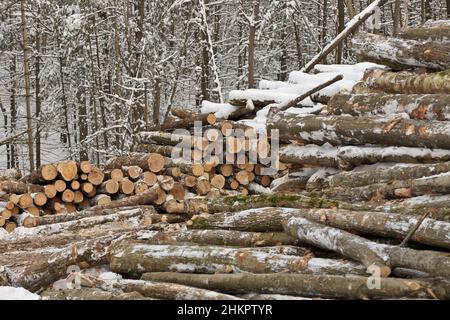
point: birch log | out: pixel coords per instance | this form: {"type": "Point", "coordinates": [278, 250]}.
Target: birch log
{"type": "Point", "coordinates": [136, 259]}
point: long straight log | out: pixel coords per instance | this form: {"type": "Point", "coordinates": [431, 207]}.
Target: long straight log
{"type": "Point", "coordinates": [170, 291]}
{"type": "Point", "coordinates": [89, 294]}
{"type": "Point", "coordinates": [325, 286]}
{"type": "Point", "coordinates": [417, 106]}
{"type": "Point", "coordinates": [345, 130]}
{"type": "Point", "coordinates": [403, 82]}
{"type": "Point", "coordinates": [45, 173]}
{"type": "Point", "coordinates": [353, 156]}
{"type": "Point", "coordinates": [219, 238]}
{"type": "Point", "coordinates": [400, 54]}
{"type": "Point", "coordinates": [136, 259]}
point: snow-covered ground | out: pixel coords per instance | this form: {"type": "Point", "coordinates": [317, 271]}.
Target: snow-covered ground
{"type": "Point", "coordinates": [11, 293]}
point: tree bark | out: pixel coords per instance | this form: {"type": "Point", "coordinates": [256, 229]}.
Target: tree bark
{"type": "Point", "coordinates": [325, 286]}
{"type": "Point", "coordinates": [310, 155]}
{"type": "Point", "coordinates": [344, 130]}
{"type": "Point", "coordinates": [417, 106]}
{"type": "Point", "coordinates": [402, 54]}
{"type": "Point", "coordinates": [251, 43]}
{"type": "Point", "coordinates": [136, 259]}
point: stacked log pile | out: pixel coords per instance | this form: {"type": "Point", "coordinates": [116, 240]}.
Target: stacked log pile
{"type": "Point", "coordinates": [70, 187]}
{"type": "Point", "coordinates": [355, 206]}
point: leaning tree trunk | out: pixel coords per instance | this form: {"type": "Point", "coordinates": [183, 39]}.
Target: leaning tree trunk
{"type": "Point", "coordinates": [405, 82]}
{"type": "Point", "coordinates": [325, 286]}
{"type": "Point", "coordinates": [371, 254]}
{"type": "Point", "coordinates": [402, 54]}
{"type": "Point", "coordinates": [136, 259]}
{"type": "Point", "coordinates": [345, 130]}
{"type": "Point", "coordinates": [417, 106]}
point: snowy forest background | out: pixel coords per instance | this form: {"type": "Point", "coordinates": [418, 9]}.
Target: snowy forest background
{"type": "Point", "coordinates": [85, 75]}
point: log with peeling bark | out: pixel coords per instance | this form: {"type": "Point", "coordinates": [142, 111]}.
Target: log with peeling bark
{"type": "Point", "coordinates": [364, 176]}
{"type": "Point", "coordinates": [400, 54]}
{"type": "Point", "coordinates": [136, 259]}
{"type": "Point", "coordinates": [405, 82]}
{"type": "Point", "coordinates": [346, 130]}
{"type": "Point", "coordinates": [170, 291]}
{"type": "Point", "coordinates": [417, 106]}
{"type": "Point", "coordinates": [325, 286]}
{"type": "Point", "coordinates": [436, 31]}
{"type": "Point", "coordinates": [393, 225]}
{"type": "Point", "coordinates": [218, 238]}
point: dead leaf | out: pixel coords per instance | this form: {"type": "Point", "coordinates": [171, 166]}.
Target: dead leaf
{"type": "Point", "coordinates": [410, 130]}
{"type": "Point", "coordinates": [423, 131]}
{"type": "Point", "coordinates": [420, 113]}
{"type": "Point", "coordinates": [391, 125]}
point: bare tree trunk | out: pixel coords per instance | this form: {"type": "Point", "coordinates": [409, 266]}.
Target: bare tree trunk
{"type": "Point", "coordinates": [252, 45]}
{"type": "Point", "coordinates": [27, 84]}
{"type": "Point", "coordinates": [13, 110]}
{"type": "Point", "coordinates": [38, 97]}
{"type": "Point", "coordinates": [157, 101]}
{"type": "Point", "coordinates": [340, 28]}
{"type": "Point", "coordinates": [397, 17]}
